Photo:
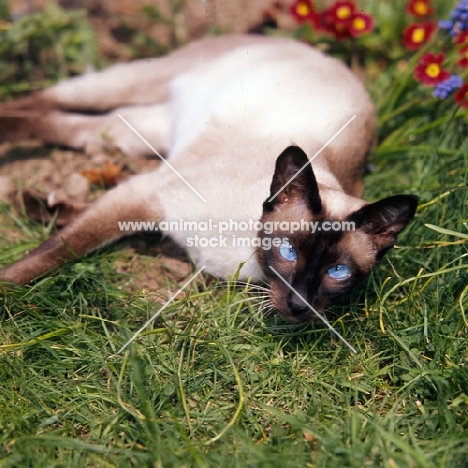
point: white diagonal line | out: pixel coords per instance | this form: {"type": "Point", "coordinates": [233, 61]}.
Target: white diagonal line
{"type": "Point", "coordinates": [160, 310]}
{"type": "Point", "coordinates": [312, 158]}
{"type": "Point", "coordinates": [315, 312]}
{"type": "Point", "coordinates": [162, 159]}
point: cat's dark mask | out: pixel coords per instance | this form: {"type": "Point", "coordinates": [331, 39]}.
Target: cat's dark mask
{"type": "Point", "coordinates": [323, 265]}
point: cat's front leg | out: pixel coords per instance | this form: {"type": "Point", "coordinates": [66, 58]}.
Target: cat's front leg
{"type": "Point", "coordinates": [133, 201]}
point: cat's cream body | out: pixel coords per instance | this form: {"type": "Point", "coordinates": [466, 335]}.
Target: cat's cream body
{"type": "Point", "coordinates": [221, 110]}
{"type": "Point", "coordinates": [225, 109]}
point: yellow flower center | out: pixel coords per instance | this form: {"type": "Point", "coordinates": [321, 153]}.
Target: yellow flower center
{"type": "Point", "coordinates": [421, 8]}
{"type": "Point", "coordinates": [433, 70]}
{"type": "Point", "coordinates": [303, 9]}
{"type": "Point", "coordinates": [418, 35]}
{"type": "Point", "coordinates": [466, 54]}
{"type": "Point", "coordinates": [359, 24]}
{"type": "Point", "coordinates": [343, 12]}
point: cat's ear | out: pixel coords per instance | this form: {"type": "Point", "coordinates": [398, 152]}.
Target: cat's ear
{"type": "Point", "coordinates": [385, 219]}
{"type": "Point", "coordinates": [293, 180]}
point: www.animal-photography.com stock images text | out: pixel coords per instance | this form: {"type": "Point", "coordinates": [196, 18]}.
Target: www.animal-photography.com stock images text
{"type": "Point", "coordinates": [234, 233]}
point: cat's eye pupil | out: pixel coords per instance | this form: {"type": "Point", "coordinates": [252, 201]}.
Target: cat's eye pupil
{"type": "Point", "coordinates": [288, 252]}
{"type": "Point", "coordinates": [339, 272]}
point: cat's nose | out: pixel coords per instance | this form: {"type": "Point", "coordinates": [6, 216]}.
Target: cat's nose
{"type": "Point", "coordinates": [297, 307]}
{"type": "Point", "coordinates": [296, 304]}
{"type": "Point", "coordinates": [297, 300]}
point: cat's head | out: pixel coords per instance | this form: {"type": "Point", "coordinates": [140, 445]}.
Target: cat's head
{"type": "Point", "coordinates": [322, 265]}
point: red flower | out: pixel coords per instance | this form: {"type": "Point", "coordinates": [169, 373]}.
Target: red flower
{"type": "Point", "coordinates": [340, 19]}
{"type": "Point", "coordinates": [429, 70]}
{"type": "Point", "coordinates": [303, 11]}
{"type": "Point", "coordinates": [419, 8]}
{"type": "Point", "coordinates": [463, 62]}
{"type": "Point", "coordinates": [336, 18]}
{"type": "Point", "coordinates": [415, 35]}
{"type": "Point", "coordinates": [360, 23]}
{"type": "Point", "coordinates": [340, 12]}
{"type": "Point", "coordinates": [461, 95]}
{"type": "Point", "coordinates": [340, 31]}
{"type": "Point", "coordinates": [462, 38]}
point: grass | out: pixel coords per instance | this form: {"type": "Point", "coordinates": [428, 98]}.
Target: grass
{"type": "Point", "coordinates": [212, 382]}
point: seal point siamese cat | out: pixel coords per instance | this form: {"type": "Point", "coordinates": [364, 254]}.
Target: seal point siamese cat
{"type": "Point", "coordinates": [235, 117]}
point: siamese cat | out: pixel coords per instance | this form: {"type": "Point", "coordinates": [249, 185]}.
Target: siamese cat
{"type": "Point", "coordinates": [236, 118]}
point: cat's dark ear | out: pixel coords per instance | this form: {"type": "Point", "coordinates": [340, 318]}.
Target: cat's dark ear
{"type": "Point", "coordinates": [385, 219]}
{"type": "Point", "coordinates": [293, 180]}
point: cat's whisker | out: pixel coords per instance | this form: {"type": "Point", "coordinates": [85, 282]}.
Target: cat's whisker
{"type": "Point", "coordinates": [267, 309]}
{"type": "Point", "coordinates": [251, 286]}
{"type": "Point", "coordinates": [250, 299]}
{"type": "Point", "coordinates": [253, 289]}
{"type": "Point", "coordinates": [256, 290]}
{"type": "Point", "coordinates": [249, 283]}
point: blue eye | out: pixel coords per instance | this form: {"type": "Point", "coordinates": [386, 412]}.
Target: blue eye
{"type": "Point", "coordinates": [339, 272]}
{"type": "Point", "coordinates": [288, 252]}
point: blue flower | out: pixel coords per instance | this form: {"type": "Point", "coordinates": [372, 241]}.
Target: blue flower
{"type": "Point", "coordinates": [446, 88]}
{"type": "Point", "coordinates": [445, 24]}
{"type": "Point", "coordinates": [458, 21]}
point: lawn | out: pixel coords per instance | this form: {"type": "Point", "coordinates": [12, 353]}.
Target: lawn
{"type": "Point", "coordinates": [213, 381]}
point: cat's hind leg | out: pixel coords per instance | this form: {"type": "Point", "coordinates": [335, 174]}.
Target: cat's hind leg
{"type": "Point", "coordinates": [153, 123]}
{"type": "Point", "coordinates": [134, 83]}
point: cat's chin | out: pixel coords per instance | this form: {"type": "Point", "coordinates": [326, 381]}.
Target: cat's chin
{"type": "Point", "coordinates": [289, 317]}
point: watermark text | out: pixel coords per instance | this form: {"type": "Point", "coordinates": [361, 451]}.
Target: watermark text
{"type": "Point", "coordinates": [232, 226]}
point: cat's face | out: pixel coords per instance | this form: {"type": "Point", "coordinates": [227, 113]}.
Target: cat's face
{"type": "Point", "coordinates": [322, 265]}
